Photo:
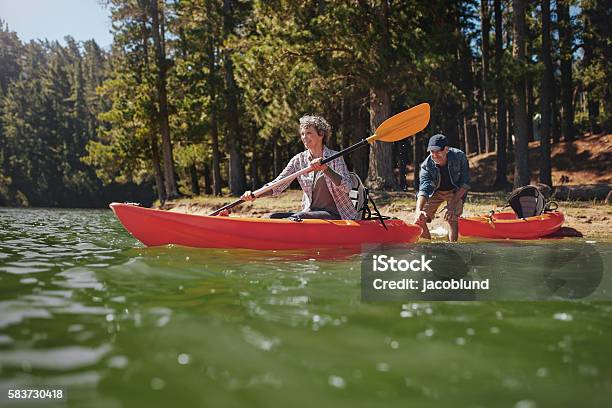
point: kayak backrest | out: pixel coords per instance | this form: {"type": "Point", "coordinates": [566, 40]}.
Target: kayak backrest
{"type": "Point", "coordinates": [360, 198]}
{"type": "Point", "coordinates": [358, 193]}
{"type": "Point", "coordinates": [527, 201]}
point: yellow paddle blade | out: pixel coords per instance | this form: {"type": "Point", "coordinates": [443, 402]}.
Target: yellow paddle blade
{"type": "Point", "coordinates": [402, 125]}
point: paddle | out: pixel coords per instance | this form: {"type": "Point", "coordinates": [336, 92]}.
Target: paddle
{"type": "Point", "coordinates": [397, 127]}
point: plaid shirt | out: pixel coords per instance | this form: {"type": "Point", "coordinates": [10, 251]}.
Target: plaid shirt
{"type": "Point", "coordinates": [339, 193]}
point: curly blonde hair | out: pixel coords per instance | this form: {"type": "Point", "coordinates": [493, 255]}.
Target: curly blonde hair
{"type": "Point", "coordinates": [318, 123]}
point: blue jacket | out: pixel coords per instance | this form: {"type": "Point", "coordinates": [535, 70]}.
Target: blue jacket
{"type": "Point", "coordinates": [458, 168]}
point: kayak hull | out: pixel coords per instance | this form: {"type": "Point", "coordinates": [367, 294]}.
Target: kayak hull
{"type": "Point", "coordinates": [505, 225]}
{"type": "Point", "coordinates": [156, 227]}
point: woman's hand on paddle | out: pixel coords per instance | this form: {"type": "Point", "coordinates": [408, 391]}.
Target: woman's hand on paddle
{"type": "Point", "coordinates": [248, 196]}
{"type": "Point", "coordinates": [224, 213]}
{"type": "Point", "coordinates": [317, 166]}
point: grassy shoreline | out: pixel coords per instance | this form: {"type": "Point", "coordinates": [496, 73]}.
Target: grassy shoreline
{"type": "Point", "coordinates": [592, 219]}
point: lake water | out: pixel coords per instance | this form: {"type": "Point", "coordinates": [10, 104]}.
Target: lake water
{"type": "Point", "coordinates": [87, 309]}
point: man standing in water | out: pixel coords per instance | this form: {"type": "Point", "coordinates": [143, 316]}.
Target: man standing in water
{"type": "Point", "coordinates": [444, 176]}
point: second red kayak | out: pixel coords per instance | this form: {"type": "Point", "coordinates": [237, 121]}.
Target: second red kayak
{"type": "Point", "coordinates": [156, 227]}
{"type": "Point", "coordinates": [506, 225]}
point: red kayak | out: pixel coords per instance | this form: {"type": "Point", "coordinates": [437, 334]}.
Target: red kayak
{"type": "Point", "coordinates": [506, 225]}
{"type": "Point", "coordinates": [156, 227]}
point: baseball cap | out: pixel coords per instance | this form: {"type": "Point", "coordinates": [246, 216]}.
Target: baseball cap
{"type": "Point", "coordinates": [437, 142]}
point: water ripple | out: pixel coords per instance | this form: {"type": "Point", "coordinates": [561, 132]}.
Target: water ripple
{"type": "Point", "coordinates": [63, 358]}
{"type": "Point", "coordinates": [14, 312]}
{"type": "Point", "coordinates": [84, 306]}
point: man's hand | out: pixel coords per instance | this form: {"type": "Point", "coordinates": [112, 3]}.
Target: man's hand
{"type": "Point", "coordinates": [449, 214]}
{"type": "Point", "coordinates": [420, 216]}
{"type": "Point", "coordinates": [317, 166]}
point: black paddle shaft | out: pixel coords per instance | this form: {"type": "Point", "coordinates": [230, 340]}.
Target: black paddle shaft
{"type": "Point", "coordinates": [227, 207]}
{"type": "Point", "coordinates": [349, 149]}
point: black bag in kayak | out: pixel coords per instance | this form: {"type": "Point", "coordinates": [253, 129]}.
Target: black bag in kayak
{"type": "Point", "coordinates": [528, 201]}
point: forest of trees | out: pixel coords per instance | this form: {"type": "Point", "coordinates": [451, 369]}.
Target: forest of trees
{"type": "Point", "coordinates": [203, 96]}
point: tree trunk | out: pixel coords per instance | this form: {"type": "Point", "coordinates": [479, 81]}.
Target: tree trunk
{"type": "Point", "coordinates": [565, 38]}
{"type": "Point", "coordinates": [486, 28]}
{"type": "Point", "coordinates": [593, 108]}
{"type": "Point", "coordinates": [589, 43]}
{"type": "Point", "coordinates": [529, 97]}
{"type": "Point", "coordinates": [546, 94]}
{"type": "Point", "coordinates": [501, 179]}
{"type": "Point", "coordinates": [402, 163]}
{"type": "Point", "coordinates": [381, 160]}
{"type": "Point", "coordinates": [380, 173]}
{"type": "Point", "coordinates": [510, 130]}
{"type": "Point", "coordinates": [346, 122]}
{"type": "Point", "coordinates": [216, 156]}
{"type": "Point", "coordinates": [237, 179]}
{"type": "Point", "coordinates": [207, 182]}
{"type": "Point", "coordinates": [159, 177]}
{"type": "Point", "coordinates": [463, 59]}
{"type": "Point", "coordinates": [478, 133]}
{"type": "Point", "coordinates": [255, 160]}
{"type": "Point", "coordinates": [213, 91]}
{"type": "Point", "coordinates": [362, 125]}
{"type": "Point", "coordinates": [162, 99]}
{"type": "Point", "coordinates": [193, 174]}
{"type": "Point", "coordinates": [276, 153]}
{"type": "Point", "coordinates": [417, 154]}
{"type": "Point", "coordinates": [461, 136]}
{"type": "Point", "coordinates": [530, 106]}
{"type": "Point", "coordinates": [157, 169]}
{"type": "Point", "coordinates": [521, 148]}
{"type": "Point", "coordinates": [449, 123]}
{"type": "Point", "coordinates": [333, 120]}
{"type": "Point", "coordinates": [466, 133]}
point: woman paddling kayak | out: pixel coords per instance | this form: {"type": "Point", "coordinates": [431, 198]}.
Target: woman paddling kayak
{"type": "Point", "coordinates": [326, 188]}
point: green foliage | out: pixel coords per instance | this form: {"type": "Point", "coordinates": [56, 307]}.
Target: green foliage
{"type": "Point", "coordinates": [44, 117]}
{"type": "Point", "coordinates": [76, 119]}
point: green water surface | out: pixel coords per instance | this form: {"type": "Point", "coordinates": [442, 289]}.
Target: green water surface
{"type": "Point", "coordinates": [86, 308]}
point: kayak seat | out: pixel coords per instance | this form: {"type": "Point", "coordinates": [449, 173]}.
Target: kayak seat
{"type": "Point", "coordinates": [360, 197]}
{"type": "Point", "coordinates": [528, 201]}
{"type": "Point", "coordinates": [358, 194]}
